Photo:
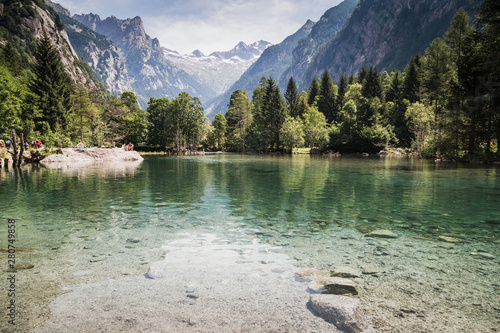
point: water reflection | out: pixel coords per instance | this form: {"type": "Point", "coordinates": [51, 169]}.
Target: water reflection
{"type": "Point", "coordinates": [299, 193]}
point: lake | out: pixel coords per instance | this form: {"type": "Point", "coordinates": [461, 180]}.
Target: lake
{"type": "Point", "coordinates": [109, 222]}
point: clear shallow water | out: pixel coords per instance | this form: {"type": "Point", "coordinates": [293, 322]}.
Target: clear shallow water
{"type": "Point", "coordinates": [296, 193]}
{"type": "Point", "coordinates": [96, 223]}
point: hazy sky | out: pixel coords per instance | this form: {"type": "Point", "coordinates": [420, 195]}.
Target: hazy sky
{"type": "Point", "coordinates": [218, 25]}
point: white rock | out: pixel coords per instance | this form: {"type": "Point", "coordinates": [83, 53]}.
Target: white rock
{"type": "Point", "coordinates": [341, 311]}
{"type": "Point", "coordinates": [382, 234]}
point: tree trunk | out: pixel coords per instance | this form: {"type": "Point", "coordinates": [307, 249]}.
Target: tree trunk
{"type": "Point", "coordinates": [14, 147]}
{"type": "Point", "coordinates": [20, 161]}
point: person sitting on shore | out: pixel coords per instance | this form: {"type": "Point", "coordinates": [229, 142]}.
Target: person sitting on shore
{"type": "Point", "coordinates": [130, 146]}
{"type": "Point", "coordinates": [80, 145]}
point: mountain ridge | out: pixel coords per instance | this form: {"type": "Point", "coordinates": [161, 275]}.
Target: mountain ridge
{"type": "Point", "coordinates": [220, 69]}
{"type": "Point", "coordinates": [398, 31]}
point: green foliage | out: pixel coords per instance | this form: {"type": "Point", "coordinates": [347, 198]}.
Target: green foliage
{"type": "Point", "coordinates": [292, 134]}
{"type": "Point", "coordinates": [314, 91]}
{"type": "Point", "coordinates": [178, 122]}
{"type": "Point", "coordinates": [420, 118]}
{"type": "Point", "coordinates": [327, 103]}
{"type": "Point", "coordinates": [239, 117]}
{"type": "Point", "coordinates": [292, 98]}
{"type": "Point", "coordinates": [270, 113]}
{"type": "Point", "coordinates": [11, 103]}
{"type": "Point", "coordinates": [315, 128]}
{"type": "Point", "coordinates": [220, 129]}
{"type": "Point", "coordinates": [51, 85]}
{"type": "Point", "coordinates": [159, 132]}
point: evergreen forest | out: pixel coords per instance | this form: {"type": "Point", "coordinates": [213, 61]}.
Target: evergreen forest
{"type": "Point", "coordinates": [445, 103]}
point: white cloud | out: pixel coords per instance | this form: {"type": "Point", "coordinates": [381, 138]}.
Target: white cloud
{"type": "Point", "coordinates": [210, 25]}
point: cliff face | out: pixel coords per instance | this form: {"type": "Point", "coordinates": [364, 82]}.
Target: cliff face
{"type": "Point", "coordinates": [149, 73]}
{"type": "Point", "coordinates": [321, 33]}
{"type": "Point", "coordinates": [384, 34]}
{"type": "Point", "coordinates": [44, 22]}
{"type": "Point", "coordinates": [100, 54]}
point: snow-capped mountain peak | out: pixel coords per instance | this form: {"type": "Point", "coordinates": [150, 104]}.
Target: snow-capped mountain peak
{"type": "Point", "coordinates": [219, 69]}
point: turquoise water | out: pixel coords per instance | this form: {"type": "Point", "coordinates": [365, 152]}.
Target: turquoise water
{"type": "Point", "coordinates": [106, 221]}
{"type": "Point", "coordinates": [305, 194]}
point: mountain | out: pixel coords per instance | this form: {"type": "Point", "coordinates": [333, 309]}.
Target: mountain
{"type": "Point", "coordinates": [124, 58]}
{"type": "Point", "coordinates": [321, 33]}
{"type": "Point", "coordinates": [24, 22]}
{"type": "Point", "coordinates": [273, 61]}
{"type": "Point", "coordinates": [149, 73]}
{"type": "Point", "coordinates": [99, 53]}
{"type": "Point", "coordinates": [219, 70]}
{"type": "Point", "coordinates": [384, 34]}
{"type": "Point", "coordinates": [292, 56]}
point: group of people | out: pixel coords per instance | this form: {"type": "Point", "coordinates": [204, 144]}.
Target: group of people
{"type": "Point", "coordinates": [38, 144]}
{"type": "Point", "coordinates": [8, 144]}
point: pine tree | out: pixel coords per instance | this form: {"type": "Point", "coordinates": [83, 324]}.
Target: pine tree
{"type": "Point", "coordinates": [292, 97]}
{"type": "Point", "coordinates": [362, 74]}
{"type": "Point", "coordinates": [12, 59]}
{"type": "Point", "coordinates": [313, 92]}
{"type": "Point", "coordinates": [220, 128]}
{"type": "Point", "coordinates": [51, 85]}
{"type": "Point", "coordinates": [411, 86]}
{"type": "Point", "coordinates": [327, 103]}
{"type": "Point", "coordinates": [274, 110]}
{"type": "Point", "coordinates": [395, 91]}
{"type": "Point", "coordinates": [372, 85]}
{"type": "Point", "coordinates": [489, 27]}
{"type": "Point", "coordinates": [343, 86]}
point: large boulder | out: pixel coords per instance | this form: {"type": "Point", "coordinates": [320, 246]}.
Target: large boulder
{"type": "Point", "coordinates": [92, 155]}
{"type": "Point", "coordinates": [342, 311]}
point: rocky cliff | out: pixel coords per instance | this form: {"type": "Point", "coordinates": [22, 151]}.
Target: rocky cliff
{"type": "Point", "coordinates": [321, 33]}
{"type": "Point", "coordinates": [384, 34]}
{"type": "Point", "coordinates": [100, 54]}
{"type": "Point", "coordinates": [28, 21]}
{"type": "Point", "coordinates": [150, 74]}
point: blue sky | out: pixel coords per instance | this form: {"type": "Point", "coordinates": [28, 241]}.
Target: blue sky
{"type": "Point", "coordinates": [218, 25]}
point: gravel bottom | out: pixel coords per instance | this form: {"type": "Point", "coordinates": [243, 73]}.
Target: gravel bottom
{"type": "Point", "coordinates": [207, 282]}
{"type": "Point", "coordinates": [204, 284]}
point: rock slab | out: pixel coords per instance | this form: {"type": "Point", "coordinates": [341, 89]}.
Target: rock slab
{"type": "Point", "coordinates": [382, 234]}
{"type": "Point", "coordinates": [342, 311]}
{"type": "Point", "coordinates": [92, 155]}
{"type": "Point", "coordinates": [340, 286]}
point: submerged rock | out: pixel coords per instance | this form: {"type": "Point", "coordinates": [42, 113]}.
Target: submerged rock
{"type": "Point", "coordinates": [450, 239]}
{"type": "Point", "coordinates": [382, 233]}
{"type": "Point", "coordinates": [483, 255]}
{"type": "Point", "coordinates": [341, 311]}
{"type": "Point", "coordinates": [345, 272]}
{"type": "Point", "coordinates": [369, 270]}
{"type": "Point", "coordinates": [23, 265]}
{"type": "Point", "coordinates": [340, 286]}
